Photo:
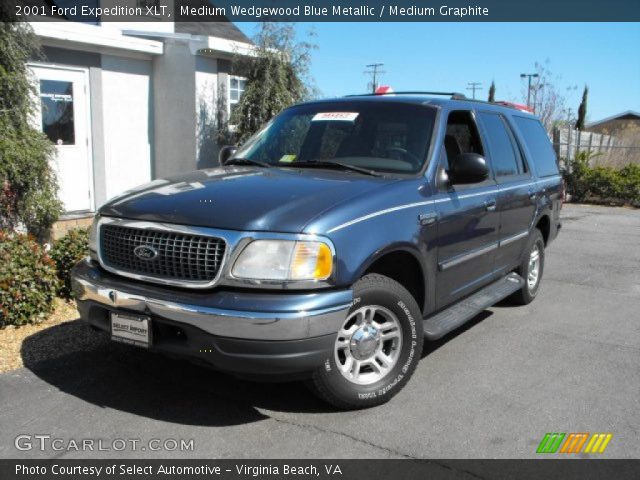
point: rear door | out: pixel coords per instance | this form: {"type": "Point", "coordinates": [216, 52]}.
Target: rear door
{"type": "Point", "coordinates": [516, 198]}
{"type": "Point", "coordinates": [468, 217]}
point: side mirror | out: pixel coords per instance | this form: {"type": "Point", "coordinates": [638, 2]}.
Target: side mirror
{"type": "Point", "coordinates": [226, 153]}
{"type": "Point", "coordinates": [469, 168]}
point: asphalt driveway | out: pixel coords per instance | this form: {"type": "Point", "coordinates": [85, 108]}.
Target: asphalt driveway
{"type": "Point", "coordinates": [569, 362]}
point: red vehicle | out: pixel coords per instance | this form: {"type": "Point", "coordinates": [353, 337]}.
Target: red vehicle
{"type": "Point", "coordinates": [519, 106]}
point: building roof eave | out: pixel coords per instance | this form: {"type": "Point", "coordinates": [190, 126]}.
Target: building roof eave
{"type": "Point", "coordinates": [222, 47]}
{"type": "Point", "coordinates": [95, 36]}
{"type": "Point", "coordinates": [613, 117]}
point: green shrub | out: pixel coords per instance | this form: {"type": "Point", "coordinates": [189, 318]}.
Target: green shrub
{"type": "Point", "coordinates": [630, 183]}
{"type": "Point", "coordinates": [601, 183]}
{"type": "Point", "coordinates": [28, 281]}
{"type": "Point", "coordinates": [28, 184]}
{"type": "Point", "coordinates": [66, 252]}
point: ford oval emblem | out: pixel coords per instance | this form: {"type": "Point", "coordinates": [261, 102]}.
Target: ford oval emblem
{"type": "Point", "coordinates": [145, 252]}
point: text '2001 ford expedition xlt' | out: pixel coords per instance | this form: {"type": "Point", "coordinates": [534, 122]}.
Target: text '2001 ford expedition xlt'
{"type": "Point", "coordinates": [332, 243]}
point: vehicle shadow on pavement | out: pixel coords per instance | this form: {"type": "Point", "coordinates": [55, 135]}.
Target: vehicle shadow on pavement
{"type": "Point", "coordinates": [86, 364]}
{"type": "Point", "coordinates": [430, 347]}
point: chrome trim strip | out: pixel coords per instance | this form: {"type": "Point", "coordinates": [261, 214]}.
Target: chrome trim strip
{"type": "Point", "coordinates": [225, 323]}
{"type": "Point", "coordinates": [466, 257]}
{"type": "Point", "coordinates": [485, 192]}
{"type": "Point", "coordinates": [428, 202]}
{"type": "Point", "coordinates": [378, 213]}
{"type": "Point", "coordinates": [513, 238]}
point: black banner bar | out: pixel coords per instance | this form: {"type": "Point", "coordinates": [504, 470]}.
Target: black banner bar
{"type": "Point", "coordinates": [94, 11]}
{"type": "Point", "coordinates": [583, 469]}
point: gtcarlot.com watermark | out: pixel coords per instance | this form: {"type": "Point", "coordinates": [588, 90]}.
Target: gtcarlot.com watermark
{"type": "Point", "coordinates": [49, 443]}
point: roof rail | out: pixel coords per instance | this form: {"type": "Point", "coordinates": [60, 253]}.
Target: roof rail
{"type": "Point", "coordinates": [453, 95]}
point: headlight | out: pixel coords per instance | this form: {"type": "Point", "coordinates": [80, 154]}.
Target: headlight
{"type": "Point", "coordinates": [284, 260]}
{"type": "Point", "coordinates": [93, 239]}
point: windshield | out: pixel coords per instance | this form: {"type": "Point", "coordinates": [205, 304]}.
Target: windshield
{"type": "Point", "coordinates": [379, 137]}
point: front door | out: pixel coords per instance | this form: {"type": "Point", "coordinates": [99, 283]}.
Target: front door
{"type": "Point", "coordinates": [63, 115]}
{"type": "Point", "coordinates": [468, 217]}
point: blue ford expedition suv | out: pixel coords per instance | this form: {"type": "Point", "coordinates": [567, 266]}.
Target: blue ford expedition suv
{"type": "Point", "coordinates": [331, 244]}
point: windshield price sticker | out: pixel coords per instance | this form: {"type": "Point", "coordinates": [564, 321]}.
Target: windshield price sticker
{"type": "Point", "coordinates": [335, 116]}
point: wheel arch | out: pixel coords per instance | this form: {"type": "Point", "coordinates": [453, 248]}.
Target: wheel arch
{"type": "Point", "coordinates": [402, 264]}
{"type": "Point", "coordinates": [544, 225]}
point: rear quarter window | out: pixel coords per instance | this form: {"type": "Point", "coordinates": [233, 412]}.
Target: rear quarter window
{"type": "Point", "coordinates": [538, 145]}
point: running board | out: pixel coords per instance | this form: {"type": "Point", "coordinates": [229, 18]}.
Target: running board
{"type": "Point", "coordinates": [453, 317]}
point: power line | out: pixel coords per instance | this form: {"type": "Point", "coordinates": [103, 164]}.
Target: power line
{"type": "Point", "coordinates": [473, 86]}
{"type": "Point", "coordinates": [374, 70]}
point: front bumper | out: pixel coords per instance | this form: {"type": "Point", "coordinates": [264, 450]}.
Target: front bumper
{"type": "Point", "coordinates": [245, 332]}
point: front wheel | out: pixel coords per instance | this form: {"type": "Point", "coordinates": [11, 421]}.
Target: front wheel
{"type": "Point", "coordinates": [376, 349]}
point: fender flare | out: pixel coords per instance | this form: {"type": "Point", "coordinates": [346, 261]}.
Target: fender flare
{"type": "Point", "coordinates": [427, 271]}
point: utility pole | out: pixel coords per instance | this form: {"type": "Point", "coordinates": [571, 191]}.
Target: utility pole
{"type": "Point", "coordinates": [530, 76]}
{"type": "Point", "coordinates": [537, 89]}
{"type": "Point", "coordinates": [374, 70]}
{"type": "Point", "coordinates": [473, 86]}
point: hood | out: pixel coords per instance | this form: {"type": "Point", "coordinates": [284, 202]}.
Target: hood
{"type": "Point", "coordinates": [242, 198]}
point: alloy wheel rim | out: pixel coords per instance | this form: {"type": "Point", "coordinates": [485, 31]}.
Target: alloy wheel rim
{"type": "Point", "coordinates": [533, 273]}
{"type": "Point", "coordinates": [368, 345]}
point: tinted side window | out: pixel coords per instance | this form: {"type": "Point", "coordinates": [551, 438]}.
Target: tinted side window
{"type": "Point", "coordinates": [539, 145]}
{"type": "Point", "coordinates": [503, 153]}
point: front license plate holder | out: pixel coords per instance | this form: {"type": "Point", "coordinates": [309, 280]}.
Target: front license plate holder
{"type": "Point", "coordinates": [131, 329]}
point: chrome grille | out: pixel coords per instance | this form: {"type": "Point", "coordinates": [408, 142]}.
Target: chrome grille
{"type": "Point", "coordinates": [191, 258]}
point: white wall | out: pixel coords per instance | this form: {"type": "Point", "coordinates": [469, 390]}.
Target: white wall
{"type": "Point", "coordinates": [174, 109]}
{"type": "Point", "coordinates": [126, 90]}
{"type": "Point", "coordinates": [206, 91]}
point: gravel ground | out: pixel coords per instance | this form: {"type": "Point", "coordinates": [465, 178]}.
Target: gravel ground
{"type": "Point", "coordinates": [11, 339]}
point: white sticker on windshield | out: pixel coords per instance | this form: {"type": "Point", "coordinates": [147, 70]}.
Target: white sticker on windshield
{"type": "Point", "coordinates": [335, 116]}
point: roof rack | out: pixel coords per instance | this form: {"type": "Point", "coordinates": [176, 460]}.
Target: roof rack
{"type": "Point", "coordinates": [453, 95]}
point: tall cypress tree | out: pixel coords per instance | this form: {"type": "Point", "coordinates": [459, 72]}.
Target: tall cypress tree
{"type": "Point", "coordinates": [492, 91]}
{"type": "Point", "coordinates": [582, 110]}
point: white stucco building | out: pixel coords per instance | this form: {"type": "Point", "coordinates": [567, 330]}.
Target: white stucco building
{"type": "Point", "coordinates": [129, 102]}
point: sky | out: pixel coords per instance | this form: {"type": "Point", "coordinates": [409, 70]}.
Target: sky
{"type": "Point", "coordinates": [446, 56]}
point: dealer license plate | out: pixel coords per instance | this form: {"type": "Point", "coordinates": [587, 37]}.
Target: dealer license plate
{"type": "Point", "coordinates": [131, 329]}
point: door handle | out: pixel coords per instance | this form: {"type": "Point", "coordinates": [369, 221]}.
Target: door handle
{"type": "Point", "coordinates": [490, 205]}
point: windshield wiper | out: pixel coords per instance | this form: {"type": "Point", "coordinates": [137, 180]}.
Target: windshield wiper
{"type": "Point", "coordinates": [340, 165]}
{"type": "Point", "coordinates": [247, 161]}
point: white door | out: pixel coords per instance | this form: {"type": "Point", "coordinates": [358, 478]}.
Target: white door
{"type": "Point", "coordinates": [63, 115]}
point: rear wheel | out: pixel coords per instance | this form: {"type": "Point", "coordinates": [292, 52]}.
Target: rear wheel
{"type": "Point", "coordinates": [531, 269]}
{"type": "Point", "coordinates": [376, 349]}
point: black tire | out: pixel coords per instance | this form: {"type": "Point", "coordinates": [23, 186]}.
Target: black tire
{"type": "Point", "coordinates": [331, 385]}
{"type": "Point", "coordinates": [526, 294]}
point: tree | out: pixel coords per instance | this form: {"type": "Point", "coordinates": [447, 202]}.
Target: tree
{"type": "Point", "coordinates": [582, 110]}
{"type": "Point", "coordinates": [492, 91]}
{"type": "Point", "coordinates": [277, 77]}
{"type": "Point", "coordinates": [547, 100]}
{"type": "Point", "coordinates": [28, 186]}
